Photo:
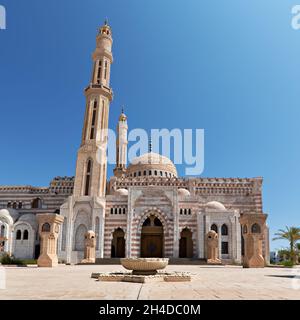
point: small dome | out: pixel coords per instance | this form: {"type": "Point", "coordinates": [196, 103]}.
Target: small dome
{"type": "Point", "coordinates": [152, 161]}
{"type": "Point", "coordinates": [122, 117]}
{"type": "Point", "coordinates": [11, 215]}
{"type": "Point", "coordinates": [121, 192]}
{"type": "Point", "coordinates": [215, 205]}
{"type": "Point", "coordinates": [183, 192]}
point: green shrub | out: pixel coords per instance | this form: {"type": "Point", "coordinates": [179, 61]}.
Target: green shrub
{"type": "Point", "coordinates": [7, 259]}
{"type": "Point", "coordinates": [287, 263]}
{"type": "Point", "coordinates": [29, 261]}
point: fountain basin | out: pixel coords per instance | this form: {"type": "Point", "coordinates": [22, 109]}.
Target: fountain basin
{"type": "Point", "coordinates": [144, 266]}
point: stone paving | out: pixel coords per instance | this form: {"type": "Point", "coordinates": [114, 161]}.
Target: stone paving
{"type": "Point", "coordinates": [208, 282]}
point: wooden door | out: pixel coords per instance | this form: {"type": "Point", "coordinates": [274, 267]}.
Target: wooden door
{"type": "Point", "coordinates": [120, 247]}
{"type": "Point", "coordinates": [152, 246]}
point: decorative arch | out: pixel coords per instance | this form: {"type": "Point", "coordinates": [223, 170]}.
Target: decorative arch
{"type": "Point", "coordinates": [79, 237]}
{"type": "Point", "coordinates": [24, 240]}
{"type": "Point", "coordinates": [157, 213]}
{"type": "Point", "coordinates": [186, 245]}
{"type": "Point", "coordinates": [118, 244]}
{"type": "Point", "coordinates": [224, 230]}
{"type": "Point", "coordinates": [255, 228]}
{"type": "Point", "coordinates": [214, 227]}
{"type": "Point", "coordinates": [167, 226]}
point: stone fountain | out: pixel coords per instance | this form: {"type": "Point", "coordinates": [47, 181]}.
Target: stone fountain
{"type": "Point", "coordinates": [143, 270]}
{"type": "Point", "coordinates": [144, 266]}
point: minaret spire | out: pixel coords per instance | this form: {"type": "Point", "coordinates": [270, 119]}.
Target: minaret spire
{"type": "Point", "coordinates": [121, 145]}
{"type": "Point", "coordinates": [91, 166]}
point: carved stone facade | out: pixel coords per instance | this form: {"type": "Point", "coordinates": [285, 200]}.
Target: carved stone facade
{"type": "Point", "coordinates": [49, 225]}
{"type": "Point", "coordinates": [212, 240]}
{"type": "Point", "coordinates": [145, 209]}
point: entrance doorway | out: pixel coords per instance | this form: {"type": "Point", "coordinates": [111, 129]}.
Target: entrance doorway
{"type": "Point", "coordinates": [186, 244]}
{"type": "Point", "coordinates": [118, 244]}
{"type": "Point", "coordinates": [152, 238]}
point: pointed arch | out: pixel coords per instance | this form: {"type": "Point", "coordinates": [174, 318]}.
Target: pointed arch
{"type": "Point", "coordinates": [88, 177]}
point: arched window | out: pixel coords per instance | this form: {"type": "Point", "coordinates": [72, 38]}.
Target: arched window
{"type": "Point", "coordinates": [2, 231]}
{"type": "Point", "coordinates": [36, 203]}
{"type": "Point", "coordinates": [25, 235]}
{"type": "Point", "coordinates": [99, 72]}
{"type": "Point", "coordinates": [116, 210]}
{"type": "Point", "coordinates": [214, 228]}
{"type": "Point", "coordinates": [147, 222]}
{"type": "Point", "coordinates": [46, 227]}
{"type": "Point", "coordinates": [9, 205]}
{"type": "Point", "coordinates": [14, 205]}
{"type": "Point", "coordinates": [150, 173]}
{"type": "Point", "coordinates": [155, 172]}
{"type": "Point", "coordinates": [245, 229]}
{"type": "Point", "coordinates": [140, 173]}
{"type": "Point", "coordinates": [180, 211]}
{"type": "Point", "coordinates": [124, 211]}
{"type": "Point", "coordinates": [190, 211]}
{"type": "Point", "coordinates": [94, 115]}
{"type": "Point", "coordinates": [161, 173]}
{"type": "Point", "coordinates": [19, 235]}
{"type": "Point", "coordinates": [20, 205]}
{"type": "Point", "coordinates": [224, 230]}
{"type": "Point", "coordinates": [185, 211]}
{"type": "Point", "coordinates": [88, 178]}
{"type": "Point", "coordinates": [120, 210]}
{"type": "Point", "coordinates": [111, 210]}
{"type": "Point", "coordinates": [255, 228]}
{"type": "Point", "coordinates": [105, 69]}
{"type": "Point", "coordinates": [145, 173]}
{"type": "Point", "coordinates": [157, 222]}
{"type": "Point", "coordinates": [134, 174]}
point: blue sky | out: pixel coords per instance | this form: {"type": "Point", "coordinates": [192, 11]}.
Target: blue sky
{"type": "Point", "coordinates": [227, 67]}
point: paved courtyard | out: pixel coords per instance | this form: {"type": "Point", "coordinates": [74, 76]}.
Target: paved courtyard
{"type": "Point", "coordinates": [209, 282]}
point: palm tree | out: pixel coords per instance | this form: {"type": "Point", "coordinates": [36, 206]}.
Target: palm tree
{"type": "Point", "coordinates": [292, 234]}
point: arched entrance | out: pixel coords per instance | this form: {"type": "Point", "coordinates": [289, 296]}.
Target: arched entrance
{"type": "Point", "coordinates": [118, 244]}
{"type": "Point", "coordinates": [152, 238]}
{"type": "Point", "coordinates": [186, 244]}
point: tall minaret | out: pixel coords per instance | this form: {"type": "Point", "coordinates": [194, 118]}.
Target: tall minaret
{"type": "Point", "coordinates": [121, 146]}
{"type": "Point", "coordinates": [91, 165]}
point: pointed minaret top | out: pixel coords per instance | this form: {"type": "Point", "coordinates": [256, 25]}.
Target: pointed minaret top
{"type": "Point", "coordinates": [123, 116]}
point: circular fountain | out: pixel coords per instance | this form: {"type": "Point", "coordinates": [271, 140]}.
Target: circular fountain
{"type": "Point", "coordinates": [144, 266]}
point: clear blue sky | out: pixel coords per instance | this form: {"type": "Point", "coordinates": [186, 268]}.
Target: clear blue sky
{"type": "Point", "coordinates": [228, 67]}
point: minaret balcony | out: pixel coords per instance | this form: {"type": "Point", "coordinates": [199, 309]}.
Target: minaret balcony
{"type": "Point", "coordinates": [94, 87]}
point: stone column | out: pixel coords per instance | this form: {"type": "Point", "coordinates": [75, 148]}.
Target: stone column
{"type": "Point", "coordinates": [90, 247]}
{"type": "Point", "coordinates": [253, 226]}
{"type": "Point", "coordinates": [49, 231]}
{"type": "Point", "coordinates": [212, 240]}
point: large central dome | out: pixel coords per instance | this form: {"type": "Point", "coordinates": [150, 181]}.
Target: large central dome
{"type": "Point", "coordinates": [151, 164]}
